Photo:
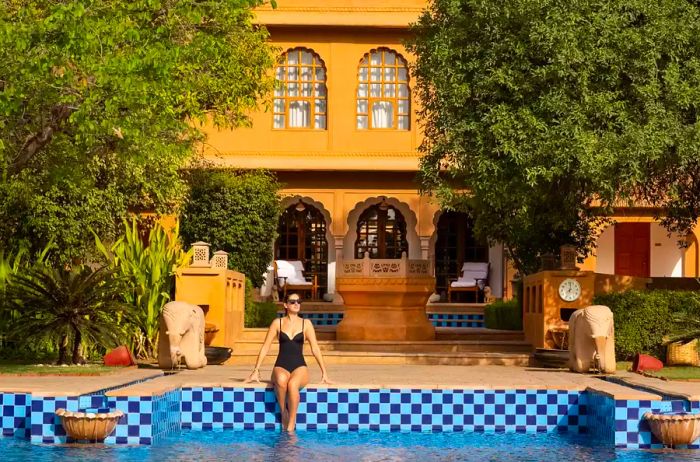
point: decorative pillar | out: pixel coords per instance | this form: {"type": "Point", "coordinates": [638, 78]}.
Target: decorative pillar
{"type": "Point", "coordinates": [385, 300]}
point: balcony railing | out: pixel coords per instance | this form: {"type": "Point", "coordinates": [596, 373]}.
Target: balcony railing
{"type": "Point", "coordinates": [400, 268]}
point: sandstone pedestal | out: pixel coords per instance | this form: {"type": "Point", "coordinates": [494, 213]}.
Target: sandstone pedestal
{"type": "Point", "coordinates": [385, 300]}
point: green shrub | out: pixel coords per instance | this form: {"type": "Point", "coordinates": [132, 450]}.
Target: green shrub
{"type": "Point", "coordinates": [147, 271]}
{"type": "Point", "coordinates": [260, 314]}
{"type": "Point", "coordinates": [236, 211]}
{"type": "Point", "coordinates": [503, 315]}
{"type": "Point", "coordinates": [643, 319]}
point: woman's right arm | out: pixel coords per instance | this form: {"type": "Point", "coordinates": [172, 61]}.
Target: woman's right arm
{"type": "Point", "coordinates": [271, 333]}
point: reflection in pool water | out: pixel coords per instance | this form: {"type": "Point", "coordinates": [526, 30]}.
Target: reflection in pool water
{"type": "Point", "coordinates": [340, 447]}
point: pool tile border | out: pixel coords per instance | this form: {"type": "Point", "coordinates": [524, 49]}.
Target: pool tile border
{"type": "Point", "coordinates": [614, 422]}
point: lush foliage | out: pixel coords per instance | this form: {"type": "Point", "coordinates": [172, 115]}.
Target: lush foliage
{"type": "Point", "coordinates": [11, 263]}
{"type": "Point", "coordinates": [65, 306]}
{"type": "Point", "coordinates": [541, 114]}
{"type": "Point", "coordinates": [260, 314]}
{"type": "Point", "coordinates": [147, 270]}
{"type": "Point", "coordinates": [503, 315]}
{"type": "Point", "coordinates": [235, 211]}
{"type": "Point", "coordinates": [100, 104]}
{"type": "Point", "coordinates": [644, 320]}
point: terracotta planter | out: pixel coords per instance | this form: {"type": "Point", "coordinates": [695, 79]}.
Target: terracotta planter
{"type": "Point", "coordinates": [120, 356]}
{"type": "Point", "coordinates": [89, 426]}
{"type": "Point", "coordinates": [674, 429]}
{"type": "Point", "coordinates": [210, 331]}
{"type": "Point", "coordinates": [646, 363]}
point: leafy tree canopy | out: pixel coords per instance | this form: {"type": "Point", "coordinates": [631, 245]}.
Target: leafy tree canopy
{"type": "Point", "coordinates": [541, 114]}
{"type": "Point", "coordinates": [236, 211]}
{"type": "Point", "coordinates": [100, 102]}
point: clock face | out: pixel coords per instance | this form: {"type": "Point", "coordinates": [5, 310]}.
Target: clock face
{"type": "Point", "coordinates": [569, 290]}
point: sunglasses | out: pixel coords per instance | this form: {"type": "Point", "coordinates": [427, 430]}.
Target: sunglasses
{"type": "Point", "coordinates": [293, 302]}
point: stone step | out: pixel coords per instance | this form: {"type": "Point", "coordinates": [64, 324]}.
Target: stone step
{"type": "Point", "coordinates": [442, 333]}
{"type": "Point", "coordinates": [326, 307]}
{"type": "Point", "coordinates": [467, 308]}
{"type": "Point", "coordinates": [459, 333]}
{"type": "Point", "coordinates": [376, 358]}
{"type": "Point", "coordinates": [258, 334]}
{"type": "Point", "coordinates": [437, 346]}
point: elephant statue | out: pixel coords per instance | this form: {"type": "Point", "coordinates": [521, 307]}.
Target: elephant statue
{"type": "Point", "coordinates": [181, 336]}
{"type": "Point", "coordinates": [592, 340]}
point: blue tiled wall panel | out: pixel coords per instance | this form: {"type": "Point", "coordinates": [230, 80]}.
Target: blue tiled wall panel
{"type": "Point", "coordinates": [15, 411]}
{"type": "Point", "coordinates": [631, 429]}
{"type": "Point", "coordinates": [320, 319]}
{"type": "Point", "coordinates": [438, 319]}
{"type": "Point", "coordinates": [456, 320]}
{"type": "Point", "coordinates": [601, 418]}
{"type": "Point", "coordinates": [621, 422]}
{"type": "Point", "coordinates": [390, 410]}
{"type": "Point", "coordinates": [146, 418]}
{"type": "Point", "coordinates": [45, 424]}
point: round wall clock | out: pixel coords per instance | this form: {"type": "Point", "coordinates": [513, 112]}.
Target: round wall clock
{"type": "Point", "coordinates": [569, 290]}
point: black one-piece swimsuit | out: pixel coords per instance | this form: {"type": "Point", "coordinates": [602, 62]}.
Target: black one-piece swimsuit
{"type": "Point", "coordinates": [291, 354]}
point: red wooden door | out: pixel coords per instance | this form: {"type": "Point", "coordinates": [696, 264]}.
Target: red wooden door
{"type": "Point", "coordinates": [632, 245]}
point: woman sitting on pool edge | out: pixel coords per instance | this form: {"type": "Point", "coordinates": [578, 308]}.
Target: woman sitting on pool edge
{"type": "Point", "coordinates": [290, 373]}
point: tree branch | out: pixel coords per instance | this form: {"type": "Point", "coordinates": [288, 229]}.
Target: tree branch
{"type": "Point", "coordinates": [37, 141]}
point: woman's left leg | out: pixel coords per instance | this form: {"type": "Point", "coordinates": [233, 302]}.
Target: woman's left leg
{"type": "Point", "coordinates": [297, 381]}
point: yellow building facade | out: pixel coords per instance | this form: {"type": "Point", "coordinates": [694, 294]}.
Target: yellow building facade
{"type": "Point", "coordinates": [342, 133]}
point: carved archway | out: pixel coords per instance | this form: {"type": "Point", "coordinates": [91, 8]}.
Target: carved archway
{"type": "Point", "coordinates": [414, 249]}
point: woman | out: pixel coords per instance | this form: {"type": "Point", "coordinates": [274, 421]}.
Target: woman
{"type": "Point", "coordinates": [290, 373]}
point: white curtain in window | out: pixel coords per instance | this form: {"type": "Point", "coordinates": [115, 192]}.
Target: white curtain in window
{"type": "Point", "coordinates": [299, 114]}
{"type": "Point", "coordinates": [382, 114]}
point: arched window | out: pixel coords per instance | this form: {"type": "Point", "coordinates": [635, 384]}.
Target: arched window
{"type": "Point", "coordinates": [381, 231]}
{"type": "Point", "coordinates": [300, 97]}
{"type": "Point", "coordinates": [383, 95]}
{"type": "Point", "coordinates": [301, 235]}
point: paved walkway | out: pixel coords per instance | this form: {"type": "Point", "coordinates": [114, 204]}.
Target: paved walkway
{"type": "Point", "coordinates": [62, 385]}
{"type": "Point", "coordinates": [353, 376]}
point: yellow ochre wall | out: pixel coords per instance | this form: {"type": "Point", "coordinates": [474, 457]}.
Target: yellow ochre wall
{"type": "Point", "coordinates": [342, 146]}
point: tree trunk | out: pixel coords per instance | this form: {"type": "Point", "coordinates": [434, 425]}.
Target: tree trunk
{"type": "Point", "coordinates": [63, 350]}
{"type": "Point", "coordinates": [77, 340]}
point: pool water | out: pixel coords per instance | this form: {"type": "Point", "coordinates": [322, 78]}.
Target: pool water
{"type": "Point", "coordinates": [311, 446]}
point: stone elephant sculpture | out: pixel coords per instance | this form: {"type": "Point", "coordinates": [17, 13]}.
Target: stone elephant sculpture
{"type": "Point", "coordinates": [592, 340]}
{"type": "Point", "coordinates": [181, 336]}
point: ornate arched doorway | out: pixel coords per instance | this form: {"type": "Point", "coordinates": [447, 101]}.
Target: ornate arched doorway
{"type": "Point", "coordinates": [381, 232]}
{"type": "Point", "coordinates": [455, 245]}
{"type": "Point", "coordinates": [301, 235]}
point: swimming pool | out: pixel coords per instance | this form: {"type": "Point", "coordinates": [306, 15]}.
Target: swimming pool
{"type": "Point", "coordinates": [311, 446]}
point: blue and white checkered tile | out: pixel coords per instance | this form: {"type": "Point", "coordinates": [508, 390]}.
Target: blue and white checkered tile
{"type": "Point", "coordinates": [15, 409]}
{"type": "Point", "coordinates": [319, 318]}
{"type": "Point", "coordinates": [45, 424]}
{"type": "Point", "coordinates": [456, 320]}
{"type": "Point", "coordinates": [136, 426]}
{"type": "Point", "coordinates": [525, 411]}
{"type": "Point", "coordinates": [631, 429]}
{"type": "Point", "coordinates": [237, 408]}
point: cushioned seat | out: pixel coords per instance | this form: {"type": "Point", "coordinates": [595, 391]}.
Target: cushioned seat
{"type": "Point", "coordinates": [289, 275]}
{"type": "Point", "coordinates": [473, 278]}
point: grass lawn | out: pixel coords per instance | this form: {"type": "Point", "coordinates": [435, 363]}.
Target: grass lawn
{"type": "Point", "coordinates": [670, 372]}
{"type": "Point", "coordinates": [24, 368]}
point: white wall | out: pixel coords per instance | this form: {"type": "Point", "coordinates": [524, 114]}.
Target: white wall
{"type": "Point", "coordinates": [666, 257]}
{"type": "Point", "coordinates": [605, 252]}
